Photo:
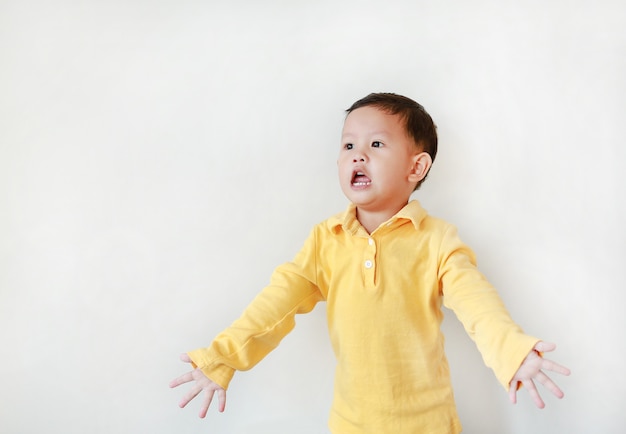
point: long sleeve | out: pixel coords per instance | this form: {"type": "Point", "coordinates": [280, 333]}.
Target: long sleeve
{"type": "Point", "coordinates": [502, 343]}
{"type": "Point", "coordinates": [265, 322]}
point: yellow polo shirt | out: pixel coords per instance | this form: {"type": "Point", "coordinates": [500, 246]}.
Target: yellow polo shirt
{"type": "Point", "coordinates": [384, 293]}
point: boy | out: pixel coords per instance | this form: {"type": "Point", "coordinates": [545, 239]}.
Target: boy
{"type": "Point", "coordinates": [384, 268]}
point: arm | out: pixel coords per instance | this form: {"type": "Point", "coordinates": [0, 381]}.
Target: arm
{"type": "Point", "coordinates": [502, 343]}
{"type": "Point", "coordinates": [261, 327]}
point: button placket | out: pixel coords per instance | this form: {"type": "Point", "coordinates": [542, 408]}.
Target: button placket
{"type": "Point", "coordinates": [369, 262]}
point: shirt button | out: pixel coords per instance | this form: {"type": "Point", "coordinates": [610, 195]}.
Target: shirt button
{"type": "Point", "coordinates": [368, 264]}
{"type": "Point", "coordinates": [370, 241]}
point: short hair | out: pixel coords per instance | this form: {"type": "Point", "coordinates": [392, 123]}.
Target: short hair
{"type": "Point", "coordinates": [417, 122]}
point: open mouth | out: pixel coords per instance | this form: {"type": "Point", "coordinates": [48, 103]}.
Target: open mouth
{"type": "Point", "coordinates": [359, 179]}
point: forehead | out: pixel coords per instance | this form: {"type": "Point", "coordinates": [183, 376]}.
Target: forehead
{"type": "Point", "coordinates": [371, 120]}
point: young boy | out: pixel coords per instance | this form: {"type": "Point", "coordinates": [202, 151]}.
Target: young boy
{"type": "Point", "coordinates": [384, 268]}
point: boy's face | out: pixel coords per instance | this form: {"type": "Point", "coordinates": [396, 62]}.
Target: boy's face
{"type": "Point", "coordinates": [378, 162]}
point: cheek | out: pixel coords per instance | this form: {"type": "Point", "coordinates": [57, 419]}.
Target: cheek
{"type": "Point", "coordinates": [341, 165]}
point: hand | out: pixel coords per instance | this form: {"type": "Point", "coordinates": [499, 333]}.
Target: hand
{"type": "Point", "coordinates": [202, 383]}
{"type": "Point", "coordinates": [532, 369]}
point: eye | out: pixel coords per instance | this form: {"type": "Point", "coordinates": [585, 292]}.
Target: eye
{"type": "Point", "coordinates": [348, 146]}
{"type": "Point", "coordinates": [377, 144]}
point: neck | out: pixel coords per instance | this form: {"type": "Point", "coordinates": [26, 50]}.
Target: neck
{"type": "Point", "coordinates": [371, 220]}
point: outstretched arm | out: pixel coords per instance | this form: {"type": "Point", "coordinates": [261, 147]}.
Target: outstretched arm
{"type": "Point", "coordinates": [532, 368]}
{"type": "Point", "coordinates": [202, 383]}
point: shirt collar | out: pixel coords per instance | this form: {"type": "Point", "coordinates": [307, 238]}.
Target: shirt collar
{"type": "Point", "coordinates": [347, 221]}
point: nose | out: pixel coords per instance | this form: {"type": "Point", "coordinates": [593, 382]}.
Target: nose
{"type": "Point", "coordinates": [359, 157]}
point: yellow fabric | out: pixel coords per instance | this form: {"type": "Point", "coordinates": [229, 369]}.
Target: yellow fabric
{"type": "Point", "coordinates": [384, 293]}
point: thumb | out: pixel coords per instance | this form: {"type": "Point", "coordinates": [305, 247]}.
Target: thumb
{"type": "Point", "coordinates": [542, 346]}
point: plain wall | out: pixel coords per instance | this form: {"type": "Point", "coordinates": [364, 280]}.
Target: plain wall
{"type": "Point", "coordinates": [159, 158]}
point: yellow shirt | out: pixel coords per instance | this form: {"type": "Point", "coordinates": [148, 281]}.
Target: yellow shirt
{"type": "Point", "coordinates": [384, 293]}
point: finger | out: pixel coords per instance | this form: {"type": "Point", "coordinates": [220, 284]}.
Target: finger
{"type": "Point", "coordinates": [189, 396]}
{"type": "Point", "coordinates": [534, 394]}
{"type": "Point", "coordinates": [221, 396]}
{"type": "Point", "coordinates": [185, 358]}
{"type": "Point", "coordinates": [554, 367]}
{"type": "Point", "coordinates": [185, 378]}
{"type": "Point", "coordinates": [543, 347]}
{"type": "Point", "coordinates": [206, 403]}
{"type": "Point", "coordinates": [513, 391]}
{"type": "Point", "coordinates": [549, 384]}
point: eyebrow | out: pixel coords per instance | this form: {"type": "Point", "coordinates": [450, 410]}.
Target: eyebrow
{"type": "Point", "coordinates": [374, 133]}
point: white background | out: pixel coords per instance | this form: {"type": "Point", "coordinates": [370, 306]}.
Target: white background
{"type": "Point", "coordinates": [159, 158]}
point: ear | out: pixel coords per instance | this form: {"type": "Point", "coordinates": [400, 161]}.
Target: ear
{"type": "Point", "coordinates": [421, 166]}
